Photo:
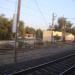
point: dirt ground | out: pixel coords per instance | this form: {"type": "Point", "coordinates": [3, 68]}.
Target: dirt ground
{"type": "Point", "coordinates": [7, 56]}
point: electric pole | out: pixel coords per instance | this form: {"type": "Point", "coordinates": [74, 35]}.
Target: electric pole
{"type": "Point", "coordinates": [52, 28]}
{"type": "Point", "coordinates": [63, 30]}
{"type": "Point", "coordinates": [17, 25]}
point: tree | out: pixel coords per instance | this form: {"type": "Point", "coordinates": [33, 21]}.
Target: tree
{"type": "Point", "coordinates": [61, 23]}
{"type": "Point", "coordinates": [56, 28]}
{"type": "Point", "coordinates": [64, 24]}
{"type": "Point", "coordinates": [21, 29]}
{"type": "Point", "coordinates": [56, 37]}
{"type": "Point", "coordinates": [68, 26]}
{"type": "Point", "coordinates": [30, 30]}
{"type": "Point", "coordinates": [39, 34]}
{"type": "Point", "coordinates": [4, 28]}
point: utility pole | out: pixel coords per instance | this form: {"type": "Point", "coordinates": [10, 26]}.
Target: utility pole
{"type": "Point", "coordinates": [63, 30]}
{"type": "Point", "coordinates": [17, 25]}
{"type": "Point", "coordinates": [53, 18]}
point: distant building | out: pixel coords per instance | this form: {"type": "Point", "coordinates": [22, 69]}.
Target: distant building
{"type": "Point", "coordinates": [47, 35]}
{"type": "Point", "coordinates": [29, 36]}
{"type": "Point", "coordinates": [69, 37]}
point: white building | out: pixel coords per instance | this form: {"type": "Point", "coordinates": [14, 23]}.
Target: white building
{"type": "Point", "coordinates": [47, 36]}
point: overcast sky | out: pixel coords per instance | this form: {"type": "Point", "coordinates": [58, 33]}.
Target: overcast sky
{"type": "Point", "coordinates": [39, 15]}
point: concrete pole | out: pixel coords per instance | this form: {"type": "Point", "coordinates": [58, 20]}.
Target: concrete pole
{"type": "Point", "coordinates": [53, 18]}
{"type": "Point", "coordinates": [63, 31]}
{"type": "Point", "coordinates": [17, 25]}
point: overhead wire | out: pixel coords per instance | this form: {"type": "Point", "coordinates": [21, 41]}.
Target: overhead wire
{"type": "Point", "coordinates": [15, 9]}
{"type": "Point", "coordinates": [13, 1]}
{"type": "Point", "coordinates": [6, 9]}
{"type": "Point", "coordinates": [9, 8]}
{"type": "Point", "coordinates": [37, 4]}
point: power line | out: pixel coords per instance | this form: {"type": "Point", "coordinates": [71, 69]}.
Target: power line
{"type": "Point", "coordinates": [6, 8]}
{"type": "Point", "coordinates": [10, 9]}
{"type": "Point", "coordinates": [40, 11]}
{"type": "Point", "coordinates": [11, 1]}
{"type": "Point", "coordinates": [14, 9]}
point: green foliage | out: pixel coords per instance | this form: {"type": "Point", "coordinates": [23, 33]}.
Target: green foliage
{"type": "Point", "coordinates": [56, 28]}
{"type": "Point", "coordinates": [21, 29]}
{"type": "Point", "coordinates": [63, 24]}
{"type": "Point", "coordinates": [6, 31]}
{"type": "Point", "coordinates": [39, 34]}
{"type": "Point", "coordinates": [57, 37]}
{"type": "Point", "coordinates": [29, 30]}
{"type": "Point", "coordinates": [5, 28]}
{"type": "Point", "coordinates": [68, 26]}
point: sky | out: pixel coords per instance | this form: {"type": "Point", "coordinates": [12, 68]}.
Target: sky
{"type": "Point", "coordinates": [38, 13]}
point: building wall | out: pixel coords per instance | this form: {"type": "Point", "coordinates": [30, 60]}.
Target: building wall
{"type": "Point", "coordinates": [69, 37]}
{"type": "Point", "coordinates": [47, 35]}
{"type": "Point", "coordinates": [29, 36]}
{"type": "Point", "coordinates": [57, 33]}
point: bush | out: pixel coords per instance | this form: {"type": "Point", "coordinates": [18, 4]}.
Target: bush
{"type": "Point", "coordinates": [57, 37]}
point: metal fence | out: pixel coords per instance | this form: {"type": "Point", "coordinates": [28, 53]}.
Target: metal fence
{"type": "Point", "coordinates": [7, 52]}
{"type": "Point", "coordinates": [24, 51]}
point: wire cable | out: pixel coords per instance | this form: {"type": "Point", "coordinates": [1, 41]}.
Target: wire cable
{"type": "Point", "coordinates": [11, 1]}
{"type": "Point", "coordinates": [36, 2]}
{"type": "Point", "coordinates": [10, 9]}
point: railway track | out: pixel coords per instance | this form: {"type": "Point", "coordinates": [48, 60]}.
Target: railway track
{"type": "Point", "coordinates": [57, 67]}
{"type": "Point", "coordinates": [70, 71]}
